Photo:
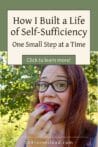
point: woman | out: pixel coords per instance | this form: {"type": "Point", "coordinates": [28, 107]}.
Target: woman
{"type": "Point", "coordinates": [68, 126]}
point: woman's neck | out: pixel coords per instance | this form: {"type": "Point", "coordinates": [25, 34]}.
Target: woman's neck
{"type": "Point", "coordinates": [58, 129]}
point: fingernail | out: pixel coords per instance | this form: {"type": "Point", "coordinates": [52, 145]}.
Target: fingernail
{"type": "Point", "coordinates": [43, 107]}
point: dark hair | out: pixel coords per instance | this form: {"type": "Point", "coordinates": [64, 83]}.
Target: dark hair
{"type": "Point", "coordinates": [77, 129]}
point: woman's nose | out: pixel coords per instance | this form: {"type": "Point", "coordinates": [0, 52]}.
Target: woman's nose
{"type": "Point", "coordinates": [50, 92]}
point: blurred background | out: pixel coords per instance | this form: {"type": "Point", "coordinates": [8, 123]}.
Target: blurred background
{"type": "Point", "coordinates": [17, 84]}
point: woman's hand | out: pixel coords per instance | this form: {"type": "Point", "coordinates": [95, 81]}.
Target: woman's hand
{"type": "Point", "coordinates": [38, 130]}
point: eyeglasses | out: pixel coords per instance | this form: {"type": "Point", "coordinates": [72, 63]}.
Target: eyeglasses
{"type": "Point", "coordinates": [58, 86]}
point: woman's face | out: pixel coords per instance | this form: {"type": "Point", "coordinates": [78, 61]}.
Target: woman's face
{"type": "Point", "coordinates": [50, 74]}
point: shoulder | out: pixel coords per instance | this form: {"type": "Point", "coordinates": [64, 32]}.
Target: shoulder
{"type": "Point", "coordinates": [96, 138]}
{"type": "Point", "coordinates": [90, 133]}
{"type": "Point", "coordinates": [93, 141]}
{"type": "Point", "coordinates": [90, 129]}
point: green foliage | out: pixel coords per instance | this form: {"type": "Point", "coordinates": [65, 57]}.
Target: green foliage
{"type": "Point", "coordinates": [17, 85]}
{"type": "Point", "coordinates": [10, 132]}
{"type": "Point", "coordinates": [7, 137]}
{"type": "Point", "coordinates": [91, 72]}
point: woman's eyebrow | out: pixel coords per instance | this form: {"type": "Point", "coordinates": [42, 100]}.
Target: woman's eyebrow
{"type": "Point", "coordinates": [61, 76]}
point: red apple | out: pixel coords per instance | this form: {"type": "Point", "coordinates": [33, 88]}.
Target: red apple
{"type": "Point", "coordinates": [45, 106]}
{"type": "Point", "coordinates": [48, 106]}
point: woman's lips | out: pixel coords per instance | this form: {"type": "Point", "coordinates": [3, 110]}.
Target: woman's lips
{"type": "Point", "coordinates": [48, 106]}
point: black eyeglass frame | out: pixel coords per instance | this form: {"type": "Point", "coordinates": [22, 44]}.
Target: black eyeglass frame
{"type": "Point", "coordinates": [48, 84]}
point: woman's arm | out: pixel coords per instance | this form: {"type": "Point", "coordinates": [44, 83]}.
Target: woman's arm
{"type": "Point", "coordinates": [21, 141]}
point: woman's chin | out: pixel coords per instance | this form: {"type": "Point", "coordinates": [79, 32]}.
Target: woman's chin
{"type": "Point", "coordinates": [55, 120]}
{"type": "Point", "coordinates": [58, 118]}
